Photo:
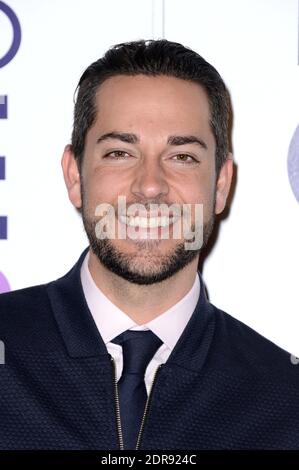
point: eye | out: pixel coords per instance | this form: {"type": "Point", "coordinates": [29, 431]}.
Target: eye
{"type": "Point", "coordinates": [117, 155]}
{"type": "Point", "coordinates": [185, 158]}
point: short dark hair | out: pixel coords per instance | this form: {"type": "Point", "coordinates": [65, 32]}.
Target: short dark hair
{"type": "Point", "coordinates": [152, 58]}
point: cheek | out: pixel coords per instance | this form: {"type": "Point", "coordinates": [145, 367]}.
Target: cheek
{"type": "Point", "coordinates": [99, 188]}
{"type": "Point", "coordinates": [201, 189]}
{"type": "Point", "coordinates": [204, 193]}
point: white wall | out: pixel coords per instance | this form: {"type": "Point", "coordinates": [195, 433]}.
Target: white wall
{"type": "Point", "coordinates": [252, 272]}
{"type": "Point", "coordinates": [60, 39]}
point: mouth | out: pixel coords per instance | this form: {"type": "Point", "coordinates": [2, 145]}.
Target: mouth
{"type": "Point", "coordinates": [148, 222]}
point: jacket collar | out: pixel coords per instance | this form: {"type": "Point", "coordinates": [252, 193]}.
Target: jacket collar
{"type": "Point", "coordinates": [82, 338]}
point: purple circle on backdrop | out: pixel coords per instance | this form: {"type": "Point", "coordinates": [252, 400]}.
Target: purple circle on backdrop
{"type": "Point", "coordinates": [4, 286]}
{"type": "Point", "coordinates": [293, 163]}
{"type": "Point", "coordinates": [16, 41]}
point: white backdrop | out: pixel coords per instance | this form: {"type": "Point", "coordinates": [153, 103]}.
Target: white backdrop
{"type": "Point", "coordinates": [252, 272]}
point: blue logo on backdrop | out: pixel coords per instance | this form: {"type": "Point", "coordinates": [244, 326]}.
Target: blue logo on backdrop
{"type": "Point", "coordinates": [16, 40]}
{"type": "Point", "coordinates": [293, 163]}
{"type": "Point", "coordinates": [4, 60]}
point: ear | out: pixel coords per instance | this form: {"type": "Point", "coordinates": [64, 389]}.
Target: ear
{"type": "Point", "coordinates": [224, 183]}
{"type": "Point", "coordinates": [71, 176]}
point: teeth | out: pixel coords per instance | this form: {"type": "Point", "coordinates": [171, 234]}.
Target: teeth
{"type": "Point", "coordinates": [146, 222]}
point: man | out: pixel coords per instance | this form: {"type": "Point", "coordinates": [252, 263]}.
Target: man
{"type": "Point", "coordinates": [125, 351]}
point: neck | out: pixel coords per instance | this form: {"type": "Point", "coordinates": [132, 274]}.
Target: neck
{"type": "Point", "coordinates": [142, 303]}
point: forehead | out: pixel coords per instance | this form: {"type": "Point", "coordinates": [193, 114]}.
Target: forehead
{"type": "Point", "coordinates": [156, 102]}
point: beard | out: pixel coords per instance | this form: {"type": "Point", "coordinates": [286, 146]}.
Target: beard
{"type": "Point", "coordinates": [147, 265]}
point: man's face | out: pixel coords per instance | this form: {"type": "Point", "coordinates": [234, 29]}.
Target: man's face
{"type": "Point", "coordinates": [148, 168]}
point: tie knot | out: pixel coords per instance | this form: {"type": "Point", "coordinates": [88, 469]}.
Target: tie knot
{"type": "Point", "coordinates": [138, 349]}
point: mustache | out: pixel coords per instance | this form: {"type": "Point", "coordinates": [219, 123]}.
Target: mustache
{"type": "Point", "coordinates": [150, 207]}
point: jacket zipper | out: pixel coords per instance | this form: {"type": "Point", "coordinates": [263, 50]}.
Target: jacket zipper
{"type": "Point", "coordinates": [147, 407]}
{"type": "Point", "coordinates": [118, 419]}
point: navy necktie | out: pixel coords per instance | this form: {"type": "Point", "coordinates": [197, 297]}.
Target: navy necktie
{"type": "Point", "coordinates": [139, 346]}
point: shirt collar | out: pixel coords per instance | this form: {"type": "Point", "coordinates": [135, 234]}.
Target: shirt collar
{"type": "Point", "coordinates": [111, 321]}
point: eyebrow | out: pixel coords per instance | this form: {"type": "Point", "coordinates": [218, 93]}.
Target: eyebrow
{"type": "Point", "coordinates": [172, 139]}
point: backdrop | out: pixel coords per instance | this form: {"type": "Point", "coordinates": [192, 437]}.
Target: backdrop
{"type": "Point", "coordinates": [252, 273]}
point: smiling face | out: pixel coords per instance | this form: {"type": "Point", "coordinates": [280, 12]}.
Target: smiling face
{"type": "Point", "coordinates": [152, 143]}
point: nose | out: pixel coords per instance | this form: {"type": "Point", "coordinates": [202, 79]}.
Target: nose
{"type": "Point", "coordinates": [150, 181]}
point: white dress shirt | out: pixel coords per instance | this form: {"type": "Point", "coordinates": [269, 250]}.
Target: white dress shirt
{"type": "Point", "coordinates": [111, 321]}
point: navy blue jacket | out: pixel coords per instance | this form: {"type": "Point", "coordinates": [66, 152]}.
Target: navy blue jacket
{"type": "Point", "coordinates": [224, 386]}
